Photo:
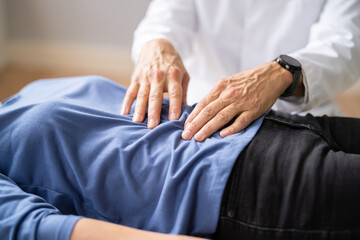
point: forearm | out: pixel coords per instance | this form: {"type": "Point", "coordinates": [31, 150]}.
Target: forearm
{"type": "Point", "coordinates": [90, 229]}
{"type": "Point", "coordinates": [330, 59]}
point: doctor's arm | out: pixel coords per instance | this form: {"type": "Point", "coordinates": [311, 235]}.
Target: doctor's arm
{"type": "Point", "coordinates": [161, 39]}
{"type": "Point", "coordinates": [331, 58]}
{"type": "Point", "coordinates": [330, 64]}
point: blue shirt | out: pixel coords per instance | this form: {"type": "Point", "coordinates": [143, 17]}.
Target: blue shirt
{"type": "Point", "coordinates": [67, 152]}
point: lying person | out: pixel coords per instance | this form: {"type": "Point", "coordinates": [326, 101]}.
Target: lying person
{"type": "Point", "coordinates": [68, 156]}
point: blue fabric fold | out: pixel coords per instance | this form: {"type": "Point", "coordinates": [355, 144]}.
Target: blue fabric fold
{"type": "Point", "coordinates": [65, 141]}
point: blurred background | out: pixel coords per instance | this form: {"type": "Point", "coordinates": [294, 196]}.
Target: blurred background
{"type": "Point", "coordinates": [52, 38]}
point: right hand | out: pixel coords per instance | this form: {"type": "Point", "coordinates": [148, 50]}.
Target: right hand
{"type": "Point", "coordinates": [159, 70]}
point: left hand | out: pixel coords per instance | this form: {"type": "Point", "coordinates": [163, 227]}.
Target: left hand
{"type": "Point", "coordinates": [244, 96]}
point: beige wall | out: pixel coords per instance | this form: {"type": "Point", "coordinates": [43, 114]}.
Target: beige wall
{"type": "Point", "coordinates": [2, 33]}
{"type": "Point", "coordinates": [91, 22]}
{"type": "Point", "coordinates": [82, 35]}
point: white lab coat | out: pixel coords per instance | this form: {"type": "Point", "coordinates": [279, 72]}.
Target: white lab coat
{"type": "Point", "coordinates": [218, 38]}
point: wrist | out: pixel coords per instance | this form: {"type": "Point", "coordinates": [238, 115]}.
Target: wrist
{"type": "Point", "coordinates": [300, 90]}
{"type": "Point", "coordinates": [286, 78]}
{"type": "Point", "coordinates": [159, 50]}
{"type": "Point", "coordinates": [159, 46]}
{"type": "Point", "coordinates": [293, 66]}
{"type": "Point", "coordinates": [283, 77]}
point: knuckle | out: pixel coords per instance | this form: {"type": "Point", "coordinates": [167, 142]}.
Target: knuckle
{"type": "Point", "coordinates": [208, 111]}
{"type": "Point", "coordinates": [133, 84]}
{"type": "Point", "coordinates": [202, 104]}
{"type": "Point", "coordinates": [132, 94]}
{"type": "Point", "coordinates": [219, 87]}
{"type": "Point", "coordinates": [142, 94]}
{"type": "Point", "coordinates": [175, 93]}
{"type": "Point", "coordinates": [223, 82]}
{"type": "Point", "coordinates": [242, 103]}
{"type": "Point", "coordinates": [175, 72]}
{"type": "Point", "coordinates": [233, 108]}
{"type": "Point", "coordinates": [229, 94]}
{"type": "Point", "coordinates": [155, 96]}
{"type": "Point", "coordinates": [223, 116]}
{"type": "Point", "coordinates": [222, 102]}
{"type": "Point", "coordinates": [243, 122]}
{"type": "Point", "coordinates": [157, 73]}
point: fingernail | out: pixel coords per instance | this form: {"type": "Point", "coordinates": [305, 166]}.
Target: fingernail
{"type": "Point", "coordinates": [199, 136]}
{"type": "Point", "coordinates": [137, 117]}
{"type": "Point", "coordinates": [173, 116]}
{"type": "Point", "coordinates": [224, 133]}
{"type": "Point", "coordinates": [152, 123]}
{"type": "Point", "coordinates": [186, 135]}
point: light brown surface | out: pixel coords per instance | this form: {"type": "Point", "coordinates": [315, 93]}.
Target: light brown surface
{"type": "Point", "coordinates": [349, 101]}
{"type": "Point", "coordinates": [13, 78]}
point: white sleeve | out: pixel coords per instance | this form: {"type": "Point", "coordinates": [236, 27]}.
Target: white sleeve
{"type": "Point", "coordinates": [173, 20]}
{"type": "Point", "coordinates": [331, 60]}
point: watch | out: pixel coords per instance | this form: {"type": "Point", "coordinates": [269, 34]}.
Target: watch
{"type": "Point", "coordinates": [294, 67]}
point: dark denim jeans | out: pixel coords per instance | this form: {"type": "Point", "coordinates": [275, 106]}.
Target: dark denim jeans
{"type": "Point", "coordinates": [298, 179]}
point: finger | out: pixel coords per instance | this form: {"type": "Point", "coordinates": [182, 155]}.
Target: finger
{"type": "Point", "coordinates": [175, 93]}
{"type": "Point", "coordinates": [184, 84]}
{"type": "Point", "coordinates": [221, 119]}
{"type": "Point", "coordinates": [130, 96]}
{"type": "Point", "coordinates": [202, 118]}
{"type": "Point", "coordinates": [198, 108]}
{"type": "Point", "coordinates": [141, 103]}
{"type": "Point", "coordinates": [210, 97]}
{"type": "Point", "coordinates": [240, 123]}
{"type": "Point", "coordinates": [155, 102]}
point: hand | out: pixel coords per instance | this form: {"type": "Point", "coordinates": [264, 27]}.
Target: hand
{"type": "Point", "coordinates": [159, 70]}
{"type": "Point", "coordinates": [244, 96]}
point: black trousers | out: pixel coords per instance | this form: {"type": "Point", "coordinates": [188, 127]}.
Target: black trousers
{"type": "Point", "coordinates": [298, 179]}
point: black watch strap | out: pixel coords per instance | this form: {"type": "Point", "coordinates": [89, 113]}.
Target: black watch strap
{"type": "Point", "coordinates": [294, 67]}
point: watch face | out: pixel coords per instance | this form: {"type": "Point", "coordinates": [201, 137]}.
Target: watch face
{"type": "Point", "coordinates": [290, 61]}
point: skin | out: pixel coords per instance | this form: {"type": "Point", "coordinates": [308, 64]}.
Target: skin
{"type": "Point", "coordinates": [90, 229]}
{"type": "Point", "coordinates": [244, 96]}
{"type": "Point", "coordinates": [159, 70]}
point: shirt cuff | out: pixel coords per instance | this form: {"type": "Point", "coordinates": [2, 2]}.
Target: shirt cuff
{"type": "Point", "coordinates": [57, 227]}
